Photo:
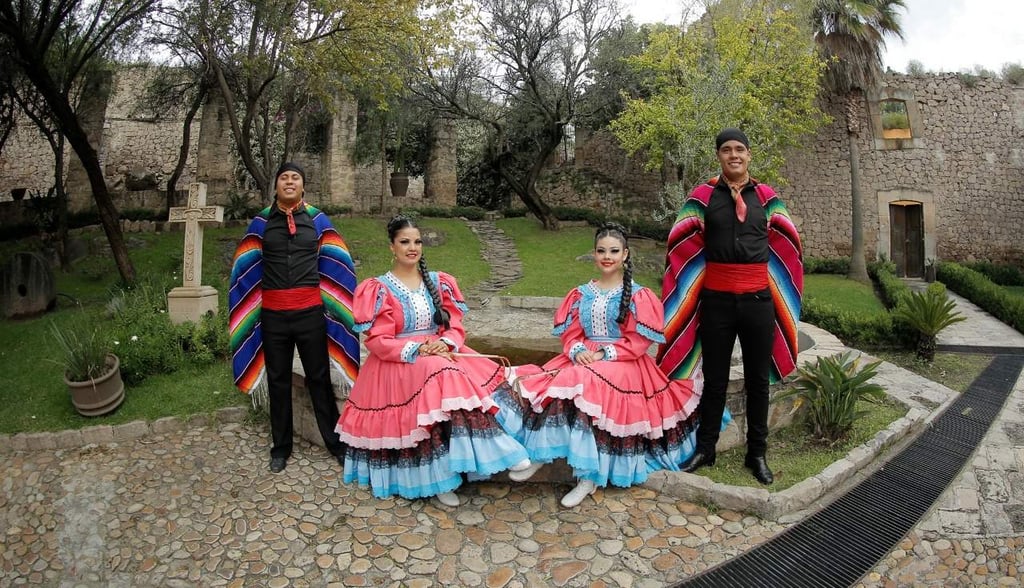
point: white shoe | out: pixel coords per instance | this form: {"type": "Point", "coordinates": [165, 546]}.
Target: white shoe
{"type": "Point", "coordinates": [524, 474]}
{"type": "Point", "coordinates": [521, 465]}
{"type": "Point", "coordinates": [448, 499]}
{"type": "Point", "coordinates": [576, 495]}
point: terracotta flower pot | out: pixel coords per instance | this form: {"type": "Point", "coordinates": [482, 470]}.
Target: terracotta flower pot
{"type": "Point", "coordinates": [101, 395]}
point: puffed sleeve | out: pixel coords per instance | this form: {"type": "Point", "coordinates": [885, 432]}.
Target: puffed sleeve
{"type": "Point", "coordinates": [643, 326]}
{"type": "Point", "coordinates": [568, 327]}
{"type": "Point", "coordinates": [375, 315]}
{"type": "Point", "coordinates": [453, 302]}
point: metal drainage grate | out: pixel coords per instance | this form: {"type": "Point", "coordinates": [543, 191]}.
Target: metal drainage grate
{"type": "Point", "coordinates": [839, 544]}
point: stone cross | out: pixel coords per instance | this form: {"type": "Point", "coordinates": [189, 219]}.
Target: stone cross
{"type": "Point", "coordinates": [192, 300]}
{"type": "Point", "coordinates": [195, 214]}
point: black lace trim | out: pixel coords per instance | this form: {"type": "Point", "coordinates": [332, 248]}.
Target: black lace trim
{"type": "Point", "coordinates": [411, 398]}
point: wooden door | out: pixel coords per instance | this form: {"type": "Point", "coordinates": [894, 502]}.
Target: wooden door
{"type": "Point", "coordinates": [906, 232]}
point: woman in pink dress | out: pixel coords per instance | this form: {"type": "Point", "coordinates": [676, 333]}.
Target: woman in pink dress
{"type": "Point", "coordinates": [603, 404]}
{"type": "Point", "coordinates": [419, 416]}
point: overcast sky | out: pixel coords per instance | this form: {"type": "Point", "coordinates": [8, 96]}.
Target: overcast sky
{"type": "Point", "coordinates": [944, 35]}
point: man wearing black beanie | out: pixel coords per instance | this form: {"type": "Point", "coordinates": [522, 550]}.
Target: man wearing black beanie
{"type": "Point", "coordinates": [734, 270]}
{"type": "Point", "coordinates": [291, 288]}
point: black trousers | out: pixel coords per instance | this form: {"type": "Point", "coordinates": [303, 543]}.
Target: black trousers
{"type": "Point", "coordinates": [723, 318]}
{"type": "Point", "coordinates": [306, 330]}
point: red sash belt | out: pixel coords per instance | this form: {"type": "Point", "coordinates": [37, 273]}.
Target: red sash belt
{"type": "Point", "coordinates": [292, 298]}
{"type": "Point", "coordinates": [737, 278]}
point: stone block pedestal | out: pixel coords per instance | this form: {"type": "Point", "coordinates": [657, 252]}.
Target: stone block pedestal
{"type": "Point", "coordinates": [191, 304]}
{"type": "Point", "coordinates": [303, 419]}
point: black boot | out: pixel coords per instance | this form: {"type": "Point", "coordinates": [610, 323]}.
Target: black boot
{"type": "Point", "coordinates": [759, 467]}
{"type": "Point", "coordinates": [699, 459]}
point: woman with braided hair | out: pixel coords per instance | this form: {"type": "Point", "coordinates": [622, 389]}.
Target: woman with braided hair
{"type": "Point", "coordinates": [603, 404]}
{"type": "Point", "coordinates": [419, 416]}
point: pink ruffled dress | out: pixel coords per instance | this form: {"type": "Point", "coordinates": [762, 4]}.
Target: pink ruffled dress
{"type": "Point", "coordinates": [413, 423]}
{"type": "Point", "coordinates": [614, 420]}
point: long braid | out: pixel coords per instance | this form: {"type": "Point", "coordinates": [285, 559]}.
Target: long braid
{"type": "Point", "coordinates": [619, 232]}
{"type": "Point", "coordinates": [627, 289]}
{"type": "Point", "coordinates": [441, 316]}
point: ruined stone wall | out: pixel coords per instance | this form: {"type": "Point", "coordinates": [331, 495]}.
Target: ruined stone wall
{"type": "Point", "coordinates": [602, 176]}
{"type": "Point", "coordinates": [140, 147]}
{"type": "Point", "coordinates": [26, 162]}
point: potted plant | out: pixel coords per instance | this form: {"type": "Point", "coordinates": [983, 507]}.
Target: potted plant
{"type": "Point", "coordinates": [396, 134]}
{"type": "Point", "coordinates": [91, 372]}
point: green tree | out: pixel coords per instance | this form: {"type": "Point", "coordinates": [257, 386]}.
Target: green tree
{"type": "Point", "coordinates": [745, 63]}
{"type": "Point", "coordinates": [851, 37]}
{"type": "Point", "coordinates": [523, 61]}
{"type": "Point", "coordinates": [274, 61]}
{"type": "Point", "coordinates": [58, 45]}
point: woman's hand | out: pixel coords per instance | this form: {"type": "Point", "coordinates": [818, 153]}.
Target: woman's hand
{"type": "Point", "coordinates": [435, 348]}
{"type": "Point", "coordinates": [588, 357]}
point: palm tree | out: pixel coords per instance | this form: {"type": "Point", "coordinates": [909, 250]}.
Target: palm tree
{"type": "Point", "coordinates": [851, 36]}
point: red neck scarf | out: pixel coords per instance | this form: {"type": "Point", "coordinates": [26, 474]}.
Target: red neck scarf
{"type": "Point", "coordinates": [737, 196]}
{"type": "Point", "coordinates": [288, 213]}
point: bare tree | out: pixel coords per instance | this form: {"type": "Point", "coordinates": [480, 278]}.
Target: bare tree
{"type": "Point", "coordinates": [522, 77]}
{"type": "Point", "coordinates": [55, 44]}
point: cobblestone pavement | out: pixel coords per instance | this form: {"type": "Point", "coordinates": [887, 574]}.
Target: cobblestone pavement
{"type": "Point", "coordinates": [198, 507]}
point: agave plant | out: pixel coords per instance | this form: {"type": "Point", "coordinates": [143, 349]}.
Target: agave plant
{"type": "Point", "coordinates": [928, 313]}
{"type": "Point", "coordinates": [830, 388]}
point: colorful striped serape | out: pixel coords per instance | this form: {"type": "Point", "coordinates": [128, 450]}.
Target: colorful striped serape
{"type": "Point", "coordinates": [679, 357]}
{"type": "Point", "coordinates": [245, 297]}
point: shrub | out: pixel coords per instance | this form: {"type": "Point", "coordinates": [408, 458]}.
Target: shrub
{"type": "Point", "coordinates": [983, 292]}
{"type": "Point", "coordinates": [892, 289]}
{"type": "Point", "coordinates": [1013, 74]}
{"type": "Point", "coordinates": [513, 212]}
{"type": "Point", "coordinates": [333, 209]}
{"type": "Point", "coordinates": [827, 265]}
{"type": "Point", "coordinates": [1002, 274]}
{"type": "Point", "coordinates": [928, 313]}
{"type": "Point", "coordinates": [853, 329]}
{"type": "Point", "coordinates": [142, 333]}
{"type": "Point", "coordinates": [831, 387]}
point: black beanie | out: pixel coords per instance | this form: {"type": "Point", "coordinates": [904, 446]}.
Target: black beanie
{"type": "Point", "coordinates": [731, 134]}
{"type": "Point", "coordinates": [290, 166]}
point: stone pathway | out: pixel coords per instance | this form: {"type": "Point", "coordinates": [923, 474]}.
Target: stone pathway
{"type": "Point", "coordinates": [500, 253]}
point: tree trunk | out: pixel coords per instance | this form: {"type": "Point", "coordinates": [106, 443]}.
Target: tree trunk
{"type": "Point", "coordinates": [527, 187]}
{"type": "Point", "coordinates": [72, 129]}
{"type": "Point", "coordinates": [186, 134]}
{"type": "Point", "coordinates": [858, 266]}
{"type": "Point", "coordinates": [61, 239]}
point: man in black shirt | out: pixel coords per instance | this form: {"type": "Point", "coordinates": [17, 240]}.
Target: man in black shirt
{"type": "Point", "coordinates": [290, 284]}
{"type": "Point", "coordinates": [734, 225]}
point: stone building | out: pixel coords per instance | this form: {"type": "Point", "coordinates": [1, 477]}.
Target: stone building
{"type": "Point", "coordinates": [949, 187]}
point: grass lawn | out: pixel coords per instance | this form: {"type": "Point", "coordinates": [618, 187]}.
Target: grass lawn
{"type": "Point", "coordinates": [34, 391]}
{"type": "Point", "coordinates": [549, 258]}
{"type": "Point", "coordinates": [840, 292]}
{"type": "Point", "coordinates": [794, 457]}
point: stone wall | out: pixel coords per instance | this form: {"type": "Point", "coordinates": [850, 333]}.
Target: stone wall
{"type": "Point", "coordinates": [964, 166]}
{"type": "Point", "coordinates": [138, 151]}
{"type": "Point", "coordinates": [602, 176]}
